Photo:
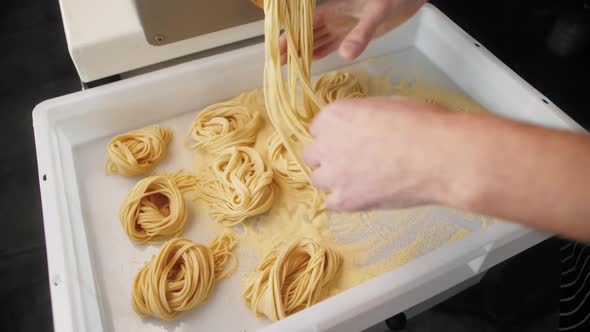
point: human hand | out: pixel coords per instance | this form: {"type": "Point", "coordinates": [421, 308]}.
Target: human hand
{"type": "Point", "coordinates": [349, 25]}
{"type": "Point", "coordinates": [384, 152]}
{"type": "Point", "coordinates": [394, 152]}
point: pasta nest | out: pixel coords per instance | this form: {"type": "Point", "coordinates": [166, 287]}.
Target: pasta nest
{"type": "Point", "coordinates": [291, 279]}
{"type": "Point", "coordinates": [181, 276]}
{"type": "Point", "coordinates": [237, 186]}
{"type": "Point", "coordinates": [223, 125]}
{"type": "Point", "coordinates": [138, 151]}
{"type": "Point", "coordinates": [155, 208]}
{"type": "Point", "coordinates": [286, 170]}
{"type": "Point", "coordinates": [339, 85]}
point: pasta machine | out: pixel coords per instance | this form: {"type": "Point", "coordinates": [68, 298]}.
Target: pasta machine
{"type": "Point", "coordinates": [119, 38]}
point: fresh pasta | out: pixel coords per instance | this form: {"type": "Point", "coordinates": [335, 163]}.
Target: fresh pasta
{"type": "Point", "coordinates": [339, 85]}
{"type": "Point", "coordinates": [223, 125]}
{"type": "Point", "coordinates": [296, 277]}
{"type": "Point", "coordinates": [155, 208]}
{"type": "Point", "coordinates": [291, 279]}
{"type": "Point", "coordinates": [138, 151]}
{"type": "Point", "coordinates": [237, 186]}
{"type": "Point", "coordinates": [182, 276]}
{"type": "Point", "coordinates": [289, 113]}
{"type": "Point", "coordinates": [285, 168]}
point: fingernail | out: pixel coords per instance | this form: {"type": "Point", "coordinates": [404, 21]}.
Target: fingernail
{"type": "Point", "coordinates": [349, 50]}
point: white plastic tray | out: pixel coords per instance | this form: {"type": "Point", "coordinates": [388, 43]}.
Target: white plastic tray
{"type": "Point", "coordinates": [92, 263]}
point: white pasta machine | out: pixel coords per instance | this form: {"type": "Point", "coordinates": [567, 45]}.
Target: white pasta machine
{"type": "Point", "coordinates": [120, 37]}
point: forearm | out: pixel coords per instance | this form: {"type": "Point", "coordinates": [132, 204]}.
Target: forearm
{"type": "Point", "coordinates": [537, 176]}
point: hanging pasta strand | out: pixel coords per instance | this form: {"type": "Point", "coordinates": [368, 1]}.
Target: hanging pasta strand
{"type": "Point", "coordinates": [289, 113]}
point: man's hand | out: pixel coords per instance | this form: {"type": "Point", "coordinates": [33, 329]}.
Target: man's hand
{"type": "Point", "coordinates": [394, 152]}
{"type": "Point", "coordinates": [377, 152]}
{"type": "Point", "coordinates": [349, 25]}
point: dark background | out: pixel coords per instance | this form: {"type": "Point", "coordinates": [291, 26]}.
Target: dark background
{"type": "Point", "coordinates": [521, 294]}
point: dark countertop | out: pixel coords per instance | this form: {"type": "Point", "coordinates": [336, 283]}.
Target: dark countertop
{"type": "Point", "coordinates": [516, 32]}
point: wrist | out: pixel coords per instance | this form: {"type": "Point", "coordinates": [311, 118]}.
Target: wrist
{"type": "Point", "coordinates": [485, 155]}
{"type": "Point", "coordinates": [463, 162]}
{"type": "Point", "coordinates": [436, 163]}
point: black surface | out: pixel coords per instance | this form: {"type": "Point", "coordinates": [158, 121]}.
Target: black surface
{"type": "Point", "coordinates": [35, 65]}
{"type": "Point", "coordinates": [516, 32]}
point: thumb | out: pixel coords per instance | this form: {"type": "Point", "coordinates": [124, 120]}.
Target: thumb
{"type": "Point", "coordinates": [359, 37]}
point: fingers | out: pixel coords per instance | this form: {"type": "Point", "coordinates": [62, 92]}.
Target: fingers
{"type": "Point", "coordinates": [325, 50]}
{"type": "Point", "coordinates": [311, 156]}
{"type": "Point", "coordinates": [334, 202]}
{"type": "Point", "coordinates": [283, 44]}
{"type": "Point", "coordinates": [357, 40]}
{"type": "Point", "coordinates": [322, 37]}
{"type": "Point", "coordinates": [327, 118]}
{"type": "Point", "coordinates": [319, 17]}
{"type": "Point", "coordinates": [359, 37]}
{"type": "Point", "coordinates": [341, 201]}
{"type": "Point", "coordinates": [319, 32]}
{"type": "Point", "coordinates": [317, 123]}
{"type": "Point", "coordinates": [326, 46]}
{"type": "Point", "coordinates": [321, 179]}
